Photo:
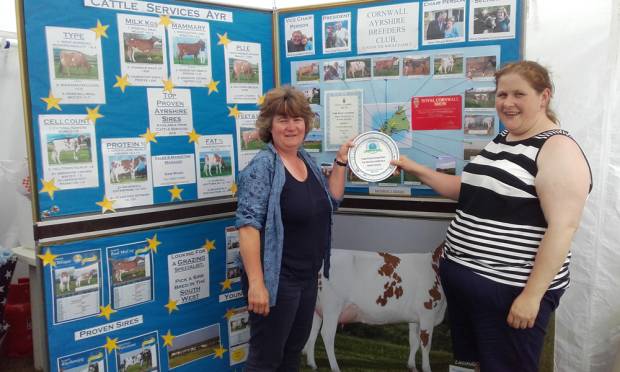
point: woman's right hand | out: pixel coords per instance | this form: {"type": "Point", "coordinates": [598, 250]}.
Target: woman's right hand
{"type": "Point", "coordinates": [405, 164]}
{"type": "Point", "coordinates": [258, 298]}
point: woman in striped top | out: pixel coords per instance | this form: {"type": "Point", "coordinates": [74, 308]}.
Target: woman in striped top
{"type": "Point", "coordinates": [506, 258]}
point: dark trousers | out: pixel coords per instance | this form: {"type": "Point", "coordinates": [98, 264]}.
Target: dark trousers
{"type": "Point", "coordinates": [478, 308]}
{"type": "Point", "coordinates": [276, 340]}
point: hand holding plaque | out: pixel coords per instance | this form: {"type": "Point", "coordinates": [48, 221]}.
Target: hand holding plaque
{"type": "Point", "coordinates": [370, 157]}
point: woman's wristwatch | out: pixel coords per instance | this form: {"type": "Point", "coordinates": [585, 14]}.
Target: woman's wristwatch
{"type": "Point", "coordinates": [338, 162]}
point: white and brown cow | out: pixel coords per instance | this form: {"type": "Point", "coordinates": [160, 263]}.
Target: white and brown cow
{"type": "Point", "coordinates": [356, 68]}
{"type": "Point", "coordinates": [127, 168]}
{"type": "Point", "coordinates": [57, 146]}
{"type": "Point", "coordinates": [70, 59]}
{"type": "Point", "coordinates": [387, 289]}
{"type": "Point", "coordinates": [242, 69]}
{"type": "Point", "coordinates": [144, 46]}
{"type": "Point", "coordinates": [126, 266]}
{"type": "Point", "coordinates": [212, 161]}
{"type": "Point", "coordinates": [248, 136]}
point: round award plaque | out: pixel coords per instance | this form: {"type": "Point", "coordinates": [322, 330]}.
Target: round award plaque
{"type": "Point", "coordinates": [370, 157]}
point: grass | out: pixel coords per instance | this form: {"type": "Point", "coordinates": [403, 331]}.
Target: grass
{"type": "Point", "coordinates": [360, 347]}
{"type": "Point", "coordinates": [66, 157]}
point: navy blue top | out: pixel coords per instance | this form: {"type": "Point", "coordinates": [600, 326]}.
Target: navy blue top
{"type": "Point", "coordinates": [305, 216]}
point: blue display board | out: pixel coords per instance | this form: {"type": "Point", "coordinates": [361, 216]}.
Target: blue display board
{"type": "Point", "coordinates": [397, 67]}
{"type": "Point", "coordinates": [158, 300]}
{"type": "Point", "coordinates": [103, 76]}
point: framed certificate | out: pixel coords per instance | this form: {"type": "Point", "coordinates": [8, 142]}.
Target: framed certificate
{"type": "Point", "coordinates": [371, 154]}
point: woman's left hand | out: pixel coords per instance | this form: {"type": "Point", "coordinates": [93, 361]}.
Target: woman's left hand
{"type": "Point", "coordinates": [343, 152]}
{"type": "Point", "coordinates": [523, 311]}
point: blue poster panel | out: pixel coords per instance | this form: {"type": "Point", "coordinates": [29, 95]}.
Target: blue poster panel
{"type": "Point", "coordinates": [127, 97]}
{"type": "Point", "coordinates": [158, 300]}
{"type": "Point", "coordinates": [421, 72]}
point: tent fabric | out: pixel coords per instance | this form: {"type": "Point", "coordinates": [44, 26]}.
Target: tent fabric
{"type": "Point", "coordinates": [583, 59]}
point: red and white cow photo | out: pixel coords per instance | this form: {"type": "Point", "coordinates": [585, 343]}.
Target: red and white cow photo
{"type": "Point", "coordinates": [141, 49]}
{"type": "Point", "coordinates": [128, 170]}
{"type": "Point", "coordinates": [380, 288]}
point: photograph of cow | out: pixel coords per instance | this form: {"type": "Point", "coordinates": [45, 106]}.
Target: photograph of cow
{"type": "Point", "coordinates": [333, 71]}
{"type": "Point", "coordinates": [479, 125]}
{"type": "Point", "coordinates": [386, 67]}
{"type": "Point", "coordinates": [416, 66]}
{"type": "Point", "coordinates": [68, 148]}
{"type": "Point", "coordinates": [128, 169]}
{"type": "Point", "coordinates": [480, 98]}
{"type": "Point", "coordinates": [138, 360]}
{"type": "Point", "coordinates": [130, 269]}
{"type": "Point", "coordinates": [358, 68]}
{"type": "Point", "coordinates": [242, 71]}
{"type": "Point", "coordinates": [448, 64]}
{"type": "Point", "coordinates": [250, 140]}
{"type": "Point", "coordinates": [215, 164]}
{"type": "Point", "coordinates": [72, 64]}
{"type": "Point", "coordinates": [307, 72]}
{"type": "Point", "coordinates": [141, 48]}
{"type": "Point", "coordinates": [194, 345]}
{"type": "Point", "coordinates": [190, 51]}
{"type": "Point", "coordinates": [70, 280]}
{"type": "Point", "coordinates": [313, 94]}
{"type": "Point", "coordinates": [481, 67]}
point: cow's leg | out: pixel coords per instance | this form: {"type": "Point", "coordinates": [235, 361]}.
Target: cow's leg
{"type": "Point", "coordinates": [332, 307]}
{"type": "Point", "coordinates": [314, 333]}
{"type": "Point", "coordinates": [414, 345]}
{"type": "Point", "coordinates": [75, 154]}
{"type": "Point", "coordinates": [426, 338]}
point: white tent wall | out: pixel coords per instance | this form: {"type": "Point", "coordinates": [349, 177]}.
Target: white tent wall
{"type": "Point", "coordinates": [16, 216]}
{"type": "Point", "coordinates": [579, 43]}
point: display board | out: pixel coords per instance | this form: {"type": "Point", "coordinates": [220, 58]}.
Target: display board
{"type": "Point", "coordinates": [135, 103]}
{"type": "Point", "coordinates": [419, 71]}
{"type": "Point", "coordinates": [157, 300]}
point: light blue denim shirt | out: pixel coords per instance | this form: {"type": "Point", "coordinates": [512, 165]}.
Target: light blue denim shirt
{"type": "Point", "coordinates": [258, 205]}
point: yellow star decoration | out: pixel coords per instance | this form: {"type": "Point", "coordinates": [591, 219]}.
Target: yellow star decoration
{"type": "Point", "coordinates": [52, 102]}
{"type": "Point", "coordinates": [224, 40]}
{"type": "Point", "coordinates": [213, 87]}
{"type": "Point", "coordinates": [226, 284]}
{"type": "Point", "coordinates": [165, 20]}
{"type": "Point", "coordinates": [168, 85]}
{"type": "Point", "coordinates": [193, 136]}
{"type": "Point", "coordinates": [49, 187]}
{"type": "Point", "coordinates": [93, 114]}
{"type": "Point", "coordinates": [233, 111]}
{"type": "Point", "coordinates": [233, 188]}
{"type": "Point", "coordinates": [209, 245]}
{"type": "Point", "coordinates": [171, 306]}
{"type": "Point", "coordinates": [122, 82]}
{"type": "Point", "coordinates": [110, 344]}
{"type": "Point", "coordinates": [260, 100]}
{"type": "Point", "coordinates": [149, 136]}
{"type": "Point", "coordinates": [168, 337]}
{"type": "Point", "coordinates": [100, 30]}
{"type": "Point", "coordinates": [153, 243]}
{"type": "Point", "coordinates": [106, 204]}
{"type": "Point", "coordinates": [229, 314]}
{"type": "Point", "coordinates": [175, 193]}
{"type": "Point", "coordinates": [106, 311]}
{"type": "Point", "coordinates": [219, 352]}
{"type": "Point", "coordinates": [48, 258]}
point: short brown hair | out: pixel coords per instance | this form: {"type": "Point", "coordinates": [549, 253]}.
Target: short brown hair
{"type": "Point", "coordinates": [536, 75]}
{"type": "Point", "coordinates": [285, 101]}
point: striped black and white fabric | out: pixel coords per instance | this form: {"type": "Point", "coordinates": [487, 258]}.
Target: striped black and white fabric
{"type": "Point", "coordinates": [499, 222]}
